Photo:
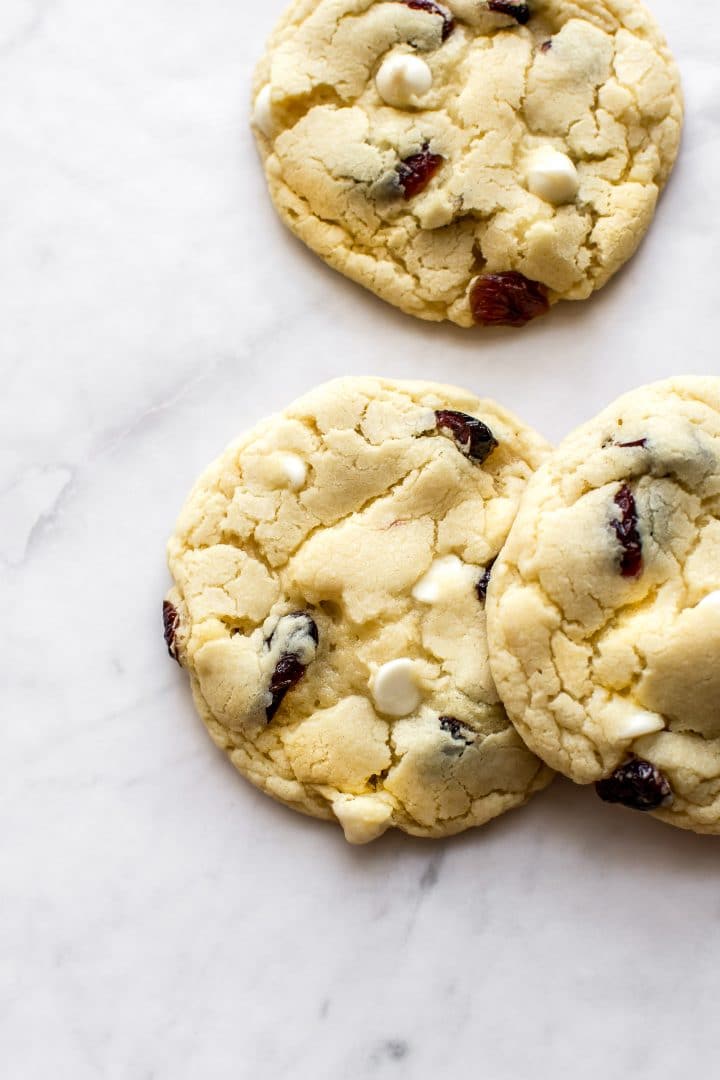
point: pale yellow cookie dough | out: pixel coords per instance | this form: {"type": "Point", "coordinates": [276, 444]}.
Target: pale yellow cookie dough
{"type": "Point", "coordinates": [347, 539]}
{"type": "Point", "coordinates": [604, 607]}
{"type": "Point", "coordinates": [556, 137]}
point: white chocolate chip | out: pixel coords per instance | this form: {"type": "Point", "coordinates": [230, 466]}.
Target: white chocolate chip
{"type": "Point", "coordinates": [552, 176]}
{"type": "Point", "coordinates": [294, 470]}
{"type": "Point", "coordinates": [711, 600]}
{"type": "Point", "coordinates": [363, 819]}
{"type": "Point", "coordinates": [394, 688]}
{"type": "Point", "coordinates": [623, 720]}
{"type": "Point", "coordinates": [443, 577]}
{"type": "Point", "coordinates": [641, 722]}
{"type": "Point", "coordinates": [402, 79]}
{"type": "Point", "coordinates": [279, 470]}
{"type": "Point", "coordinates": [263, 111]}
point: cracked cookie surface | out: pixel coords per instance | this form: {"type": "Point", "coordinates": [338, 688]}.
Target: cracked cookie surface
{"type": "Point", "coordinates": [329, 611]}
{"type": "Point", "coordinates": [426, 150]}
{"type": "Point", "coordinates": [604, 606]}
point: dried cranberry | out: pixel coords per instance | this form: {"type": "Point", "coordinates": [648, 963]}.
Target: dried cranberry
{"type": "Point", "coordinates": [454, 728]}
{"type": "Point", "coordinates": [507, 299]}
{"type": "Point", "coordinates": [546, 46]}
{"type": "Point", "coordinates": [627, 533]}
{"type": "Point", "coordinates": [484, 583]}
{"type": "Point", "coordinates": [473, 438]}
{"type": "Point", "coordinates": [434, 9]}
{"type": "Point", "coordinates": [287, 674]}
{"type": "Point", "coordinates": [171, 621]}
{"type": "Point", "coordinates": [637, 442]}
{"type": "Point", "coordinates": [416, 172]}
{"type": "Point", "coordinates": [637, 784]}
{"type": "Point", "coordinates": [295, 628]}
{"type": "Point", "coordinates": [518, 11]}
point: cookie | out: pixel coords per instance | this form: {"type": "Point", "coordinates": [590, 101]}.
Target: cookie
{"type": "Point", "coordinates": [472, 161]}
{"type": "Point", "coordinates": [330, 574]}
{"type": "Point", "coordinates": [604, 607]}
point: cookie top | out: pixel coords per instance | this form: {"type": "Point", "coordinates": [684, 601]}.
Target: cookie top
{"type": "Point", "coordinates": [604, 607]}
{"type": "Point", "coordinates": [473, 161]}
{"type": "Point", "coordinates": [329, 605]}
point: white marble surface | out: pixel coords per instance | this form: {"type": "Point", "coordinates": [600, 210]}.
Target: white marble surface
{"type": "Point", "coordinates": [159, 919]}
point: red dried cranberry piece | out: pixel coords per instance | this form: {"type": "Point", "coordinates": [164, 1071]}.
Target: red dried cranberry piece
{"type": "Point", "coordinates": [171, 621]}
{"type": "Point", "coordinates": [473, 438]}
{"type": "Point", "coordinates": [518, 11]}
{"type": "Point", "coordinates": [627, 533]}
{"type": "Point", "coordinates": [546, 46]}
{"type": "Point", "coordinates": [416, 172]}
{"type": "Point", "coordinates": [296, 628]}
{"type": "Point", "coordinates": [434, 9]}
{"type": "Point", "coordinates": [507, 299]}
{"type": "Point", "coordinates": [484, 583]}
{"type": "Point", "coordinates": [637, 442]}
{"type": "Point", "coordinates": [637, 784]}
{"type": "Point", "coordinates": [287, 674]}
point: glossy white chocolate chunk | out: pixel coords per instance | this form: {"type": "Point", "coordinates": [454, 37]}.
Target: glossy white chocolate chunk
{"type": "Point", "coordinates": [294, 470]}
{"type": "Point", "coordinates": [623, 720]}
{"type": "Point", "coordinates": [363, 819]}
{"type": "Point", "coordinates": [394, 688]}
{"type": "Point", "coordinates": [263, 111]}
{"type": "Point", "coordinates": [552, 176]}
{"type": "Point", "coordinates": [402, 79]}
{"type": "Point", "coordinates": [711, 600]}
{"type": "Point", "coordinates": [444, 577]}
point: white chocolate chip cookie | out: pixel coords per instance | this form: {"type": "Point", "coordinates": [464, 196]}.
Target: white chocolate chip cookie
{"type": "Point", "coordinates": [475, 160]}
{"type": "Point", "coordinates": [604, 607]}
{"type": "Point", "coordinates": [330, 573]}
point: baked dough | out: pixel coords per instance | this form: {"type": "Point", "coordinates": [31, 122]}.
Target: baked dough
{"type": "Point", "coordinates": [469, 161]}
{"type": "Point", "coordinates": [604, 607]}
{"type": "Point", "coordinates": [330, 573]}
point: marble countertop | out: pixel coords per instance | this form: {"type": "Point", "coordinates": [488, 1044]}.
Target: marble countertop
{"type": "Point", "coordinates": [160, 920]}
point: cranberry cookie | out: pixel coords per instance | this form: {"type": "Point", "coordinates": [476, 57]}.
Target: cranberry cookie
{"type": "Point", "coordinates": [604, 606]}
{"type": "Point", "coordinates": [473, 161]}
{"type": "Point", "coordinates": [329, 606]}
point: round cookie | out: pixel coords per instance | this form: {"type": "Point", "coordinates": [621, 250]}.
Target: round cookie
{"type": "Point", "coordinates": [474, 161]}
{"type": "Point", "coordinates": [604, 606]}
{"type": "Point", "coordinates": [330, 573]}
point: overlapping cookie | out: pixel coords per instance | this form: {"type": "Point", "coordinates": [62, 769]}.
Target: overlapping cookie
{"type": "Point", "coordinates": [474, 161]}
{"type": "Point", "coordinates": [604, 606]}
{"type": "Point", "coordinates": [329, 606]}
